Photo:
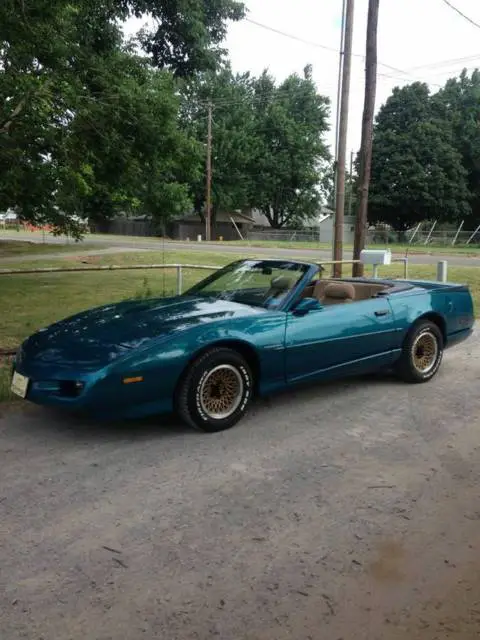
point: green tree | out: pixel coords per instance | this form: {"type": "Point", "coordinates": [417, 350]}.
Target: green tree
{"type": "Point", "coordinates": [86, 126]}
{"type": "Point", "coordinates": [268, 150]}
{"type": "Point", "coordinates": [459, 104]}
{"type": "Point", "coordinates": [232, 148]}
{"type": "Point", "coordinates": [417, 172]}
{"type": "Point", "coordinates": [290, 121]}
{"type": "Point", "coordinates": [187, 35]}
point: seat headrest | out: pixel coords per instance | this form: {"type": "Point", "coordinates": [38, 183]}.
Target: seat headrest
{"type": "Point", "coordinates": [340, 291]}
{"type": "Point", "coordinates": [280, 283]}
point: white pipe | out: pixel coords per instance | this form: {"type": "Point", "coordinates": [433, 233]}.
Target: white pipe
{"type": "Point", "coordinates": [431, 231]}
{"type": "Point", "coordinates": [473, 234]}
{"type": "Point", "coordinates": [442, 268]}
{"type": "Point", "coordinates": [236, 228]}
{"type": "Point", "coordinates": [458, 233]}
{"type": "Point", "coordinates": [414, 233]}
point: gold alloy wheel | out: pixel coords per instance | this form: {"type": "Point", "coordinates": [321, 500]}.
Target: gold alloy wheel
{"type": "Point", "coordinates": [221, 392]}
{"type": "Point", "coordinates": [425, 352]}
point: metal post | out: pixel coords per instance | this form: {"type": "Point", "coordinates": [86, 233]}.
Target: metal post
{"type": "Point", "coordinates": [375, 270]}
{"type": "Point", "coordinates": [340, 70]}
{"type": "Point", "coordinates": [458, 233]}
{"type": "Point", "coordinates": [473, 234]}
{"type": "Point", "coordinates": [442, 267]}
{"type": "Point", "coordinates": [414, 233]}
{"type": "Point", "coordinates": [342, 139]}
{"type": "Point", "coordinates": [179, 279]}
{"type": "Point", "coordinates": [236, 228]}
{"type": "Point", "coordinates": [405, 268]}
{"type": "Point", "coordinates": [208, 217]}
{"type": "Point", "coordinates": [350, 195]}
{"type": "Point", "coordinates": [430, 234]}
{"type": "Point", "coordinates": [339, 93]}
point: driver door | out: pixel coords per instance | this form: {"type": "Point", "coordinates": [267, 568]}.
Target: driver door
{"type": "Point", "coordinates": [339, 339]}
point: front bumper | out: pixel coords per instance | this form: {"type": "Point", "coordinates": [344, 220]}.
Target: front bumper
{"type": "Point", "coordinates": [100, 396]}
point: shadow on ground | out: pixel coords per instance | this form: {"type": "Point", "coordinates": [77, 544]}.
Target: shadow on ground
{"type": "Point", "coordinates": [45, 421]}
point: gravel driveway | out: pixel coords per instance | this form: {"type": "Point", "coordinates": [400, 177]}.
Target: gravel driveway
{"type": "Point", "coordinates": [340, 511]}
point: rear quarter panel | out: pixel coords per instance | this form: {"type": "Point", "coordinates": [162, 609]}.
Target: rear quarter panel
{"type": "Point", "coordinates": [453, 303]}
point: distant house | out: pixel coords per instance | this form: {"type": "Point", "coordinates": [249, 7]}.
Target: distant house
{"type": "Point", "coordinates": [228, 226]}
{"type": "Point", "coordinates": [319, 227]}
{"type": "Point", "coordinates": [261, 219]}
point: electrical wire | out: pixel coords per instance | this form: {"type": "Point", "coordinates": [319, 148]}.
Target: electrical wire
{"type": "Point", "coordinates": [452, 6]}
{"type": "Point", "coordinates": [327, 48]}
{"type": "Point", "coordinates": [444, 63]}
{"type": "Point", "coordinates": [226, 102]}
{"type": "Point", "coordinates": [313, 44]}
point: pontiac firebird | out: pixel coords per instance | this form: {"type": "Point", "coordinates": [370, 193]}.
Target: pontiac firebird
{"type": "Point", "coordinates": [254, 327]}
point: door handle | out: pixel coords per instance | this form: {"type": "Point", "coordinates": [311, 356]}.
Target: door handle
{"type": "Point", "coordinates": [382, 312]}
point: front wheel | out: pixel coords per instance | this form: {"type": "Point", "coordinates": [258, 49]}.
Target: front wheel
{"type": "Point", "coordinates": [422, 353]}
{"type": "Point", "coordinates": [215, 391]}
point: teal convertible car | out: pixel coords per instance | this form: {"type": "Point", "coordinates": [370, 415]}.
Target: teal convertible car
{"type": "Point", "coordinates": [253, 327]}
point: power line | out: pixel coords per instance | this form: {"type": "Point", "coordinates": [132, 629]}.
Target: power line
{"type": "Point", "coordinates": [291, 36]}
{"type": "Point", "coordinates": [317, 45]}
{"type": "Point", "coordinates": [327, 48]}
{"type": "Point", "coordinates": [449, 4]}
{"type": "Point", "coordinates": [444, 63]}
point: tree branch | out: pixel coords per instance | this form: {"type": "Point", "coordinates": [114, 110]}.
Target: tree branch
{"type": "Point", "coordinates": [15, 113]}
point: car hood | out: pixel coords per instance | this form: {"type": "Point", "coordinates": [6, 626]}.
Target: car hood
{"type": "Point", "coordinates": [94, 338]}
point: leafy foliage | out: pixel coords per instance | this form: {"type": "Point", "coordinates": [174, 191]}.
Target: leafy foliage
{"type": "Point", "coordinates": [459, 104]}
{"type": "Point", "coordinates": [268, 147]}
{"type": "Point", "coordinates": [186, 33]}
{"type": "Point", "coordinates": [233, 139]}
{"type": "Point", "coordinates": [88, 126]}
{"type": "Point", "coordinates": [290, 121]}
{"type": "Point", "coordinates": [417, 170]}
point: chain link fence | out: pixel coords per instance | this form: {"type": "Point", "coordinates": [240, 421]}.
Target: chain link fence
{"type": "Point", "coordinates": [427, 234]}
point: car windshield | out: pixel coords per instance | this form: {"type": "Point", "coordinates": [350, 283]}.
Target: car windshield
{"type": "Point", "coordinates": [260, 283]}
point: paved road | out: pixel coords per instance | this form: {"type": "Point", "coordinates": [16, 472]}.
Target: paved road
{"type": "Point", "coordinates": [340, 511]}
{"type": "Point", "coordinates": [158, 245]}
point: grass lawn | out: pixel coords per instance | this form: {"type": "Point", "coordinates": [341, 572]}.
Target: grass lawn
{"type": "Point", "coordinates": [29, 302]}
{"type": "Point", "coordinates": [16, 248]}
{"type": "Point", "coordinates": [471, 250]}
{"type": "Point", "coordinates": [421, 249]}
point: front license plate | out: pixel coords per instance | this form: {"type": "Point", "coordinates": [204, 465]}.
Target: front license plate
{"type": "Point", "coordinates": [19, 384]}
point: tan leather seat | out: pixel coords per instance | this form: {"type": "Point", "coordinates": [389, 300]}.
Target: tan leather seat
{"type": "Point", "coordinates": [338, 293]}
{"type": "Point", "coordinates": [363, 290]}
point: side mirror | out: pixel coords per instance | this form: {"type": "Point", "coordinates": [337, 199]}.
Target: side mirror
{"type": "Point", "coordinates": [305, 305]}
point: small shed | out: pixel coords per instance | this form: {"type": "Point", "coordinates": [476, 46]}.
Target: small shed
{"type": "Point", "coordinates": [226, 225]}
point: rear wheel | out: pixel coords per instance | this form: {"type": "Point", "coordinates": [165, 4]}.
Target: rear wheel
{"type": "Point", "coordinates": [215, 391]}
{"type": "Point", "coordinates": [422, 353]}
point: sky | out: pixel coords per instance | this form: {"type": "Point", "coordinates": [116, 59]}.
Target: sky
{"type": "Point", "coordinates": [411, 35]}
{"type": "Point", "coordinates": [422, 40]}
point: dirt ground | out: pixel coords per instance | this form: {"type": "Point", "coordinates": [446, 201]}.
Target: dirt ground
{"type": "Point", "coordinates": [343, 511]}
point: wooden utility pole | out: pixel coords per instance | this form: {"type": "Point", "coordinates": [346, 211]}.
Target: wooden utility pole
{"type": "Point", "coordinates": [342, 140]}
{"type": "Point", "coordinates": [350, 190]}
{"type": "Point", "coordinates": [208, 200]}
{"type": "Point", "coordinates": [340, 70]}
{"type": "Point", "coordinates": [367, 134]}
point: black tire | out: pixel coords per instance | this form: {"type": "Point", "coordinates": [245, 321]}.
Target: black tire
{"type": "Point", "coordinates": [197, 397]}
{"type": "Point", "coordinates": [415, 365]}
